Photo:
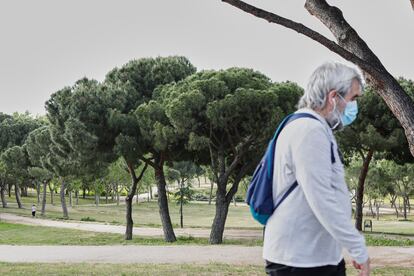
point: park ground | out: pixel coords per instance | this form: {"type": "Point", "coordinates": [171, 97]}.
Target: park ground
{"type": "Point", "coordinates": [91, 242]}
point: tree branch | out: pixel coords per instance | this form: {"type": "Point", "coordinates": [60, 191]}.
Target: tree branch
{"type": "Point", "coordinates": [148, 161]}
{"type": "Point", "coordinates": [302, 29]}
{"type": "Point", "coordinates": [235, 186]}
{"type": "Point", "coordinates": [346, 36]}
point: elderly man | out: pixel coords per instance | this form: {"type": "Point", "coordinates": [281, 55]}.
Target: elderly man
{"type": "Point", "coordinates": [307, 233]}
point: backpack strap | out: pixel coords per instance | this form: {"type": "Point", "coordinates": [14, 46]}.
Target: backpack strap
{"type": "Point", "coordinates": [287, 120]}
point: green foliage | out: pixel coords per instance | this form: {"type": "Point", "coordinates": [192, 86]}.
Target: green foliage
{"type": "Point", "coordinates": [16, 162]}
{"type": "Point", "coordinates": [15, 129]}
{"type": "Point", "coordinates": [38, 148]}
{"type": "Point", "coordinates": [230, 113]}
{"type": "Point", "coordinates": [184, 195]}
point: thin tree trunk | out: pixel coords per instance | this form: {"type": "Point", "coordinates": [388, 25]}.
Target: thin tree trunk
{"type": "Point", "coordinates": [24, 191]}
{"type": "Point", "coordinates": [371, 209]}
{"type": "Point", "coordinates": [377, 206]}
{"type": "Point", "coordinates": [360, 190]}
{"type": "Point", "coordinates": [167, 227]}
{"type": "Point", "coordinates": [117, 195]}
{"type": "Point", "coordinates": [151, 195]}
{"type": "Point", "coordinates": [9, 188]}
{"type": "Point", "coordinates": [3, 195]}
{"type": "Point", "coordinates": [84, 193]}
{"type": "Point", "coordinates": [38, 192]}
{"type": "Point", "coordinates": [405, 207]}
{"type": "Point", "coordinates": [63, 200]}
{"type": "Point", "coordinates": [17, 193]}
{"type": "Point", "coordinates": [181, 204]}
{"type": "Point", "coordinates": [52, 196]}
{"type": "Point", "coordinates": [77, 197]}
{"type": "Point", "coordinates": [113, 194]}
{"type": "Point", "coordinates": [70, 199]}
{"type": "Point", "coordinates": [97, 198]}
{"type": "Point", "coordinates": [129, 198]}
{"type": "Point", "coordinates": [211, 192]}
{"type": "Point", "coordinates": [44, 198]}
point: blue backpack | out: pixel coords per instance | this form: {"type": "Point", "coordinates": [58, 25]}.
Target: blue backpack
{"type": "Point", "coordinates": [260, 192]}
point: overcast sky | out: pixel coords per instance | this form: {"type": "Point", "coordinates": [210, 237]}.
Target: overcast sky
{"type": "Point", "coordinates": [46, 45]}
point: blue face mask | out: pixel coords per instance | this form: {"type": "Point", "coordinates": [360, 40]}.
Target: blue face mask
{"type": "Point", "coordinates": [350, 113]}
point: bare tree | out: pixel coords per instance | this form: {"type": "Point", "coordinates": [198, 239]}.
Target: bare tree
{"type": "Point", "coordinates": [351, 47]}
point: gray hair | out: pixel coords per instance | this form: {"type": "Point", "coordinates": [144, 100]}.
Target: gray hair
{"type": "Point", "coordinates": [327, 77]}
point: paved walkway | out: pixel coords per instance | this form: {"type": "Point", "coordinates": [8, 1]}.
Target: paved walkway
{"type": "Point", "coordinates": [120, 229]}
{"type": "Point", "coordinates": [237, 255]}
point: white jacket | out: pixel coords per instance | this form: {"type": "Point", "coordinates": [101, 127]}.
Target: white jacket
{"type": "Point", "coordinates": [313, 224]}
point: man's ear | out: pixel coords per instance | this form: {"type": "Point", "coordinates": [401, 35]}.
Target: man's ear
{"type": "Point", "coordinates": [331, 96]}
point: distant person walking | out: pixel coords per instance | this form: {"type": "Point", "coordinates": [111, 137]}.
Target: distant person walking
{"type": "Point", "coordinates": [308, 231]}
{"type": "Point", "coordinates": [33, 210]}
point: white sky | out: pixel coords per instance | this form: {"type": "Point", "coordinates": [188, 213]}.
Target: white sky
{"type": "Point", "coordinates": [48, 44]}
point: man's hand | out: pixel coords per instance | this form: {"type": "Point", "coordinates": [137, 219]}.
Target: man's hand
{"type": "Point", "coordinates": [365, 268]}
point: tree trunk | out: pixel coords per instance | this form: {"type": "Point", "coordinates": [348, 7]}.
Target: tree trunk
{"type": "Point", "coordinates": [211, 192]}
{"type": "Point", "coordinates": [181, 204]}
{"type": "Point", "coordinates": [169, 235]}
{"type": "Point", "coordinates": [199, 182]}
{"type": "Point", "coordinates": [44, 198]}
{"type": "Point", "coordinates": [63, 200]}
{"type": "Point", "coordinates": [130, 222]}
{"type": "Point", "coordinates": [3, 195]}
{"type": "Point", "coordinates": [150, 190]}
{"type": "Point", "coordinates": [77, 197]}
{"type": "Point", "coordinates": [38, 192]}
{"type": "Point", "coordinates": [405, 207]}
{"type": "Point", "coordinates": [24, 191]}
{"type": "Point", "coordinates": [97, 199]}
{"type": "Point", "coordinates": [9, 188]}
{"type": "Point", "coordinates": [222, 209]}
{"type": "Point", "coordinates": [371, 209]}
{"type": "Point", "coordinates": [113, 194]}
{"type": "Point", "coordinates": [117, 195]}
{"type": "Point", "coordinates": [84, 193]}
{"type": "Point", "coordinates": [128, 204]}
{"type": "Point", "coordinates": [130, 197]}
{"type": "Point", "coordinates": [52, 196]}
{"type": "Point", "coordinates": [360, 190]}
{"type": "Point", "coordinates": [17, 193]}
{"type": "Point", "coordinates": [70, 199]}
{"type": "Point", "coordinates": [377, 206]}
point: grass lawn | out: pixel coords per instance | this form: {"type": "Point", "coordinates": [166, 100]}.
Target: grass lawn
{"type": "Point", "coordinates": [159, 269]}
{"type": "Point", "coordinates": [196, 214]}
{"type": "Point", "coordinates": [19, 234]}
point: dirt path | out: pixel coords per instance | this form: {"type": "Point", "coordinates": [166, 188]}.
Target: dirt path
{"type": "Point", "coordinates": [237, 255]}
{"type": "Point", "coordinates": [120, 229]}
